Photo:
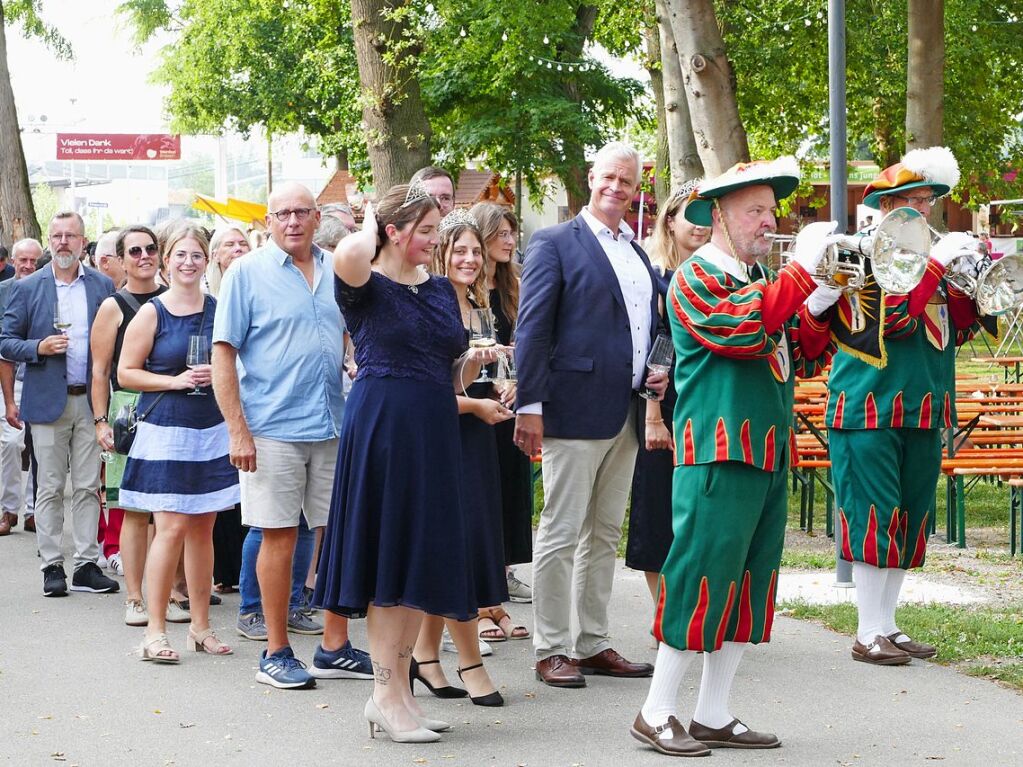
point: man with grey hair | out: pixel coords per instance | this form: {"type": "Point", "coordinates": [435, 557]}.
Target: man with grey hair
{"type": "Point", "coordinates": [330, 232]}
{"type": "Point", "coordinates": [587, 319]}
{"type": "Point", "coordinates": [24, 253]}
{"type": "Point", "coordinates": [107, 261]}
{"type": "Point", "coordinates": [342, 211]}
{"type": "Point", "coordinates": [46, 325]}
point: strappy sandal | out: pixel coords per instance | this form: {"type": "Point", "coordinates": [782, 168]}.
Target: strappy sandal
{"type": "Point", "coordinates": [508, 628]}
{"type": "Point", "coordinates": [491, 632]}
{"type": "Point", "coordinates": [199, 641]}
{"type": "Point", "coordinates": [158, 650]}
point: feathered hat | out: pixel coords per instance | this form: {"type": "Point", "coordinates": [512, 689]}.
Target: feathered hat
{"type": "Point", "coordinates": [781, 174]}
{"type": "Point", "coordinates": [935, 167]}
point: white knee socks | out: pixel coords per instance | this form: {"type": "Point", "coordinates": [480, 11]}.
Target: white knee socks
{"type": "Point", "coordinates": [662, 699]}
{"type": "Point", "coordinates": [890, 600]}
{"type": "Point", "coordinates": [718, 672]}
{"type": "Point", "coordinates": [870, 589]}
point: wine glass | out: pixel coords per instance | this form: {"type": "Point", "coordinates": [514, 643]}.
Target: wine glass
{"type": "Point", "coordinates": [61, 319]}
{"type": "Point", "coordinates": [198, 354]}
{"type": "Point", "coordinates": [661, 356]}
{"type": "Point", "coordinates": [481, 336]}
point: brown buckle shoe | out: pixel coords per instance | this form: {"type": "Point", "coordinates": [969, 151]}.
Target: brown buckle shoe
{"type": "Point", "coordinates": [681, 743]}
{"type": "Point", "coordinates": [912, 648]}
{"type": "Point", "coordinates": [7, 521]}
{"type": "Point", "coordinates": [558, 671]}
{"type": "Point", "coordinates": [30, 525]}
{"type": "Point", "coordinates": [880, 652]}
{"type": "Point", "coordinates": [726, 737]}
{"type": "Point", "coordinates": [610, 663]}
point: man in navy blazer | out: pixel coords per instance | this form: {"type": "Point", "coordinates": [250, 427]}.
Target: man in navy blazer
{"type": "Point", "coordinates": [587, 318]}
{"type": "Point", "coordinates": [55, 400]}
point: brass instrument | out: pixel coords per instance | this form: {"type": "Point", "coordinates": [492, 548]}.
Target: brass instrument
{"type": "Point", "coordinates": [995, 286]}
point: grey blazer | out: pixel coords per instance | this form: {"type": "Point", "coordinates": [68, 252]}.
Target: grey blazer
{"type": "Point", "coordinates": [27, 320]}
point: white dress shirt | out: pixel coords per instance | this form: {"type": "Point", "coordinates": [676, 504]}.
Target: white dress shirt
{"type": "Point", "coordinates": [74, 303]}
{"type": "Point", "coordinates": [637, 289]}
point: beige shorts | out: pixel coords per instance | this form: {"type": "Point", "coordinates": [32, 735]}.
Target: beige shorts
{"type": "Point", "coordinates": [291, 478]}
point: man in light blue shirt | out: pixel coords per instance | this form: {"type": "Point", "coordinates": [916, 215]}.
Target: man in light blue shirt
{"type": "Point", "coordinates": [277, 363]}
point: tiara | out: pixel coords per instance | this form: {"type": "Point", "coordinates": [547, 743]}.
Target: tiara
{"type": "Point", "coordinates": [687, 188]}
{"type": "Point", "coordinates": [416, 192]}
{"type": "Point", "coordinates": [457, 217]}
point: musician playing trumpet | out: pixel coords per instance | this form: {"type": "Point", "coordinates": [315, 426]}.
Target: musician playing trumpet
{"type": "Point", "coordinates": [886, 410]}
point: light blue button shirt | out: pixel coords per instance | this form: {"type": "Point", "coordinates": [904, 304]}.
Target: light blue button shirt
{"type": "Point", "coordinates": [74, 304]}
{"type": "Point", "coordinates": [289, 339]}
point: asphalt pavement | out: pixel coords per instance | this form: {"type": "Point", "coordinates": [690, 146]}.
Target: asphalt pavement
{"type": "Point", "coordinates": [75, 693]}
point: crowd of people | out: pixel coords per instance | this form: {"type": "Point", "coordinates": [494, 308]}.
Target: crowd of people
{"type": "Point", "coordinates": [343, 418]}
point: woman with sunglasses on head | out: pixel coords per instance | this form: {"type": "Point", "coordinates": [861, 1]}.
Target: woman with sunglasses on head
{"type": "Point", "coordinates": [227, 244]}
{"type": "Point", "coordinates": [178, 465]}
{"type": "Point", "coordinates": [138, 253]}
{"type": "Point", "coordinates": [673, 241]}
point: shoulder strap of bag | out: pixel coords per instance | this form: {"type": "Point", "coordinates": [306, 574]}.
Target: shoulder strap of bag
{"type": "Point", "coordinates": [129, 299]}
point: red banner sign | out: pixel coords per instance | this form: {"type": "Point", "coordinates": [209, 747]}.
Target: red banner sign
{"type": "Point", "coordinates": [118, 146]}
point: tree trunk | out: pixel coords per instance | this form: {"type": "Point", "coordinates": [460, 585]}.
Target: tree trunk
{"type": "Point", "coordinates": [397, 131]}
{"type": "Point", "coordinates": [662, 172]}
{"type": "Point", "coordinates": [709, 84]}
{"type": "Point", "coordinates": [17, 214]}
{"type": "Point", "coordinates": [684, 158]}
{"type": "Point", "coordinates": [925, 79]}
{"type": "Point", "coordinates": [575, 178]}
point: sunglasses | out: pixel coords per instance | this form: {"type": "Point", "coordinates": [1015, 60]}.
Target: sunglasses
{"type": "Point", "coordinates": [136, 250]}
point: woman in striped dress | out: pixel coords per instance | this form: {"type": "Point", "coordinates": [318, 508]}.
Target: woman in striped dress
{"type": "Point", "coordinates": [178, 466]}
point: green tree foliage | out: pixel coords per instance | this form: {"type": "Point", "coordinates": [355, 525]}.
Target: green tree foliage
{"type": "Point", "coordinates": [781, 64]}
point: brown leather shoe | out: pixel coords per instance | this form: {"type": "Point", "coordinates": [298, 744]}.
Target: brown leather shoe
{"type": "Point", "coordinates": [610, 663]}
{"type": "Point", "coordinates": [725, 737]}
{"type": "Point", "coordinates": [681, 743]}
{"type": "Point", "coordinates": [30, 525]}
{"type": "Point", "coordinates": [911, 648]}
{"type": "Point", "coordinates": [558, 671]}
{"type": "Point", "coordinates": [7, 521]}
{"type": "Point", "coordinates": [880, 652]}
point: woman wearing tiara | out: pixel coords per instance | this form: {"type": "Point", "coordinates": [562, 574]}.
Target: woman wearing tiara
{"type": "Point", "coordinates": [395, 545]}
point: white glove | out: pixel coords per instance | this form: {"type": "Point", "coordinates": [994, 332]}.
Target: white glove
{"type": "Point", "coordinates": [953, 245]}
{"type": "Point", "coordinates": [812, 243]}
{"type": "Point", "coordinates": [822, 299]}
{"type": "Point", "coordinates": [966, 265]}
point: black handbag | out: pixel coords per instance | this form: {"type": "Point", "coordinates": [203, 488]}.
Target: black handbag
{"type": "Point", "coordinates": [128, 418]}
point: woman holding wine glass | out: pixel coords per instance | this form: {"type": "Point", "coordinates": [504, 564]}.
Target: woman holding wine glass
{"type": "Point", "coordinates": [498, 226]}
{"type": "Point", "coordinates": [650, 535]}
{"type": "Point", "coordinates": [178, 465]}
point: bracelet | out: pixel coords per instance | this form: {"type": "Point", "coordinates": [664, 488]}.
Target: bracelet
{"type": "Point", "coordinates": [655, 420]}
{"type": "Point", "coordinates": [101, 419]}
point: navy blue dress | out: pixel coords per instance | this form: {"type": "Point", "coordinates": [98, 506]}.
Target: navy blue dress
{"type": "Point", "coordinates": [397, 531]}
{"type": "Point", "coordinates": [650, 533]}
{"type": "Point", "coordinates": [179, 460]}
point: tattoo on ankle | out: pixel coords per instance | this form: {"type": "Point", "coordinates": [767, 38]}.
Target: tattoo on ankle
{"type": "Point", "coordinates": [382, 674]}
{"type": "Point", "coordinates": [405, 652]}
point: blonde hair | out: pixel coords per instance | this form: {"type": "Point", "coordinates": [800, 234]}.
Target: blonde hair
{"type": "Point", "coordinates": [173, 236]}
{"type": "Point", "coordinates": [489, 216]}
{"type": "Point", "coordinates": [478, 294]}
{"type": "Point", "coordinates": [661, 247]}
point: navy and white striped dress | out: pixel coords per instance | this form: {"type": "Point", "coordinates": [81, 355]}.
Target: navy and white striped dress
{"type": "Point", "coordinates": [179, 460]}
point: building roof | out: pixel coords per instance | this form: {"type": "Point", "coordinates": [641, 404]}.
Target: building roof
{"type": "Point", "coordinates": [481, 186]}
{"type": "Point", "coordinates": [337, 188]}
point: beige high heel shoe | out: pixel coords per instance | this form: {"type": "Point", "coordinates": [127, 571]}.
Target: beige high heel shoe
{"type": "Point", "coordinates": [198, 643]}
{"type": "Point", "coordinates": [158, 650]}
{"type": "Point", "coordinates": [377, 723]}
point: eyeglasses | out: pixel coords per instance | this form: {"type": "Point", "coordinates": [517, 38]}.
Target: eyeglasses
{"type": "Point", "coordinates": [183, 256]}
{"type": "Point", "coordinates": [135, 251]}
{"type": "Point", "coordinates": [284, 216]}
{"type": "Point", "coordinates": [444, 198]}
{"type": "Point", "coordinates": [929, 200]}
{"type": "Point", "coordinates": [62, 237]}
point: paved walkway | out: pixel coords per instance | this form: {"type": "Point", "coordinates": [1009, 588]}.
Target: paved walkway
{"type": "Point", "coordinates": [74, 693]}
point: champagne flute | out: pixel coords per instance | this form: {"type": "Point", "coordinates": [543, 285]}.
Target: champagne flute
{"type": "Point", "coordinates": [481, 336]}
{"type": "Point", "coordinates": [198, 354]}
{"type": "Point", "coordinates": [660, 359]}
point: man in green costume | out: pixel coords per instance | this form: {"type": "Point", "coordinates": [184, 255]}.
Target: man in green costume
{"type": "Point", "coordinates": [885, 416]}
{"type": "Point", "coordinates": [738, 342]}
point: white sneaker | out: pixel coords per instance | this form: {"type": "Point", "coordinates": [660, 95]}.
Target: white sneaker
{"type": "Point", "coordinates": [135, 613]}
{"type": "Point", "coordinates": [448, 645]}
{"type": "Point", "coordinates": [102, 562]}
{"type": "Point", "coordinates": [517, 590]}
{"type": "Point", "coordinates": [176, 613]}
{"type": "Point", "coordinates": [114, 564]}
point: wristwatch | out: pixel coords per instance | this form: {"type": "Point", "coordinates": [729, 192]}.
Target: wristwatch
{"type": "Point", "coordinates": [101, 419]}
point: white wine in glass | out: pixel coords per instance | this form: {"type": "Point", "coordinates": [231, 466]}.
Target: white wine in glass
{"type": "Point", "coordinates": [198, 354]}
{"type": "Point", "coordinates": [660, 359]}
{"type": "Point", "coordinates": [481, 336]}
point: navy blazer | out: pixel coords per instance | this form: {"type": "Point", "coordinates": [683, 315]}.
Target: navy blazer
{"type": "Point", "coordinates": [28, 319]}
{"type": "Point", "coordinates": [573, 347]}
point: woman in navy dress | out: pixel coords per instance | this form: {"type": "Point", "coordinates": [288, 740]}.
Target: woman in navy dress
{"type": "Point", "coordinates": [674, 239]}
{"type": "Point", "coordinates": [396, 541]}
{"type": "Point", "coordinates": [178, 465]}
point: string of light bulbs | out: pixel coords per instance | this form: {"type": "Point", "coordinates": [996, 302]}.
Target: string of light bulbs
{"type": "Point", "coordinates": [553, 64]}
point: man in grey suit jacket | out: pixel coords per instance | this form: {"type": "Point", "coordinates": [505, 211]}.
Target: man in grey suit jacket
{"type": "Point", "coordinates": [55, 400]}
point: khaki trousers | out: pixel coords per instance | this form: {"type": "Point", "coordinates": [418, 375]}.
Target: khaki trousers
{"type": "Point", "coordinates": [67, 443]}
{"type": "Point", "coordinates": [586, 488]}
{"type": "Point", "coordinates": [12, 442]}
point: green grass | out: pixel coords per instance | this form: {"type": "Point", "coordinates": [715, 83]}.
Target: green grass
{"type": "Point", "coordinates": [799, 559]}
{"type": "Point", "coordinates": [981, 640]}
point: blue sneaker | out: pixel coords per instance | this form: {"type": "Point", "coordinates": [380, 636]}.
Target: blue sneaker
{"type": "Point", "coordinates": [346, 663]}
{"type": "Point", "coordinates": [283, 670]}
